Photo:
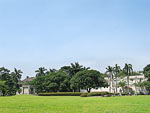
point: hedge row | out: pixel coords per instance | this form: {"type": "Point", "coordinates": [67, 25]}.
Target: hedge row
{"type": "Point", "coordinates": [76, 94]}
{"type": "Point", "coordinates": [107, 94]}
{"type": "Point", "coordinates": [60, 94]}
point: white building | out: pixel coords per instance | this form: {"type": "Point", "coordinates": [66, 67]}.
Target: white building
{"type": "Point", "coordinates": [27, 89]}
{"type": "Point", "coordinates": [132, 81]}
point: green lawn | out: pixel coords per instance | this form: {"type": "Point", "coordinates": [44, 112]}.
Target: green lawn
{"type": "Point", "coordinates": [37, 104]}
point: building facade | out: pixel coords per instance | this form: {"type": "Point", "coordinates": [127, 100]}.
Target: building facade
{"type": "Point", "coordinates": [26, 88]}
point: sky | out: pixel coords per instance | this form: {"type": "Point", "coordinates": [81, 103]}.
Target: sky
{"type": "Point", "coordinates": [54, 33]}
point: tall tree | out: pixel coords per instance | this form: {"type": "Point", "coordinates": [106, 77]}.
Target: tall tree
{"type": "Point", "coordinates": [128, 70]}
{"type": "Point", "coordinates": [116, 72]}
{"type": "Point", "coordinates": [88, 79]}
{"type": "Point", "coordinates": [17, 74]}
{"type": "Point", "coordinates": [73, 69]}
{"type": "Point", "coordinates": [109, 72]}
{"type": "Point", "coordinates": [146, 72]}
{"type": "Point", "coordinates": [41, 71]}
{"type": "Point", "coordinates": [76, 67]}
{"type": "Point", "coordinates": [4, 73]}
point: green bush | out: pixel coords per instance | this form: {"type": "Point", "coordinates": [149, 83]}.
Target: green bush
{"type": "Point", "coordinates": [99, 94]}
{"type": "Point", "coordinates": [104, 94]}
{"type": "Point", "coordinates": [116, 94]}
{"type": "Point", "coordinates": [60, 94]}
{"type": "Point", "coordinates": [84, 95]}
{"type": "Point", "coordinates": [123, 94]}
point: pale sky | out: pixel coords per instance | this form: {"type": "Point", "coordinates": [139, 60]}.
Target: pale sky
{"type": "Point", "coordinates": [54, 33]}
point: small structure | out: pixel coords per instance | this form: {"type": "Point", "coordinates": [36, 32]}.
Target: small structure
{"type": "Point", "coordinates": [27, 88]}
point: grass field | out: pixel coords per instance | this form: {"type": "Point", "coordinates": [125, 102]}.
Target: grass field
{"type": "Point", "coordinates": [37, 104]}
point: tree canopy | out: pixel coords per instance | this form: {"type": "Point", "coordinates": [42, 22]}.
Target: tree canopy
{"type": "Point", "coordinates": [88, 79]}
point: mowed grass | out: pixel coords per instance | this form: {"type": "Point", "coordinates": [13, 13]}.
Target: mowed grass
{"type": "Point", "coordinates": [68, 104]}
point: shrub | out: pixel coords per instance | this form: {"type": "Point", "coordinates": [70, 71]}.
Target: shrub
{"type": "Point", "coordinates": [60, 94]}
{"type": "Point", "coordinates": [84, 95]}
{"type": "Point", "coordinates": [104, 94]}
{"type": "Point", "coordinates": [116, 94]}
{"type": "Point", "coordinates": [99, 94]}
{"type": "Point", "coordinates": [123, 94]}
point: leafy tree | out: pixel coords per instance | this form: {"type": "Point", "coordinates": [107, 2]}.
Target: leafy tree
{"type": "Point", "coordinates": [88, 79]}
{"type": "Point", "coordinates": [9, 84]}
{"type": "Point", "coordinates": [62, 81]}
{"type": "Point", "coordinates": [3, 88]}
{"type": "Point", "coordinates": [146, 72]}
{"type": "Point", "coordinates": [4, 73]}
{"type": "Point", "coordinates": [147, 86]}
{"type": "Point", "coordinates": [39, 84]}
{"type": "Point", "coordinates": [52, 82]}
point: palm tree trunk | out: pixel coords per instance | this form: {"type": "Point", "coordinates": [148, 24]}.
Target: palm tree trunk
{"type": "Point", "coordinates": [116, 85]}
{"type": "Point", "coordinates": [110, 83]}
{"type": "Point", "coordinates": [128, 82]}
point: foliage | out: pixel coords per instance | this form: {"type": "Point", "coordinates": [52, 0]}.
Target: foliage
{"type": "Point", "coordinates": [99, 94]}
{"type": "Point", "coordinates": [41, 71]}
{"type": "Point", "coordinates": [145, 84]}
{"type": "Point", "coordinates": [116, 71]}
{"type": "Point", "coordinates": [146, 72]}
{"type": "Point", "coordinates": [84, 95]}
{"type": "Point", "coordinates": [19, 91]}
{"type": "Point", "coordinates": [9, 84]}
{"type": "Point", "coordinates": [52, 82]}
{"type": "Point", "coordinates": [56, 80]}
{"type": "Point", "coordinates": [88, 79]}
{"type": "Point", "coordinates": [122, 84]}
{"type": "Point", "coordinates": [60, 94]}
{"type": "Point", "coordinates": [73, 69]}
{"type": "Point", "coordinates": [128, 70]}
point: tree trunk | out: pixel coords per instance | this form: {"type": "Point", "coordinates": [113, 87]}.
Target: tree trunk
{"type": "Point", "coordinates": [116, 86]}
{"type": "Point", "coordinates": [110, 83]}
{"type": "Point", "coordinates": [128, 83]}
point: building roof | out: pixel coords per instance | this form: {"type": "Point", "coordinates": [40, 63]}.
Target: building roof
{"type": "Point", "coordinates": [28, 79]}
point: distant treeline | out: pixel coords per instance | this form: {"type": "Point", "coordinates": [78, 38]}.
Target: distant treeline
{"type": "Point", "coordinates": [72, 78]}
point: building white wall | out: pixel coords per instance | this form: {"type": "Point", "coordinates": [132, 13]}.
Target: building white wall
{"type": "Point", "coordinates": [133, 80]}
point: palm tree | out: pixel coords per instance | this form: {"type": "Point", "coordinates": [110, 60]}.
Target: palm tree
{"type": "Point", "coordinates": [18, 73]}
{"type": "Point", "coordinates": [51, 71]}
{"type": "Point", "coordinates": [128, 70]}
{"type": "Point", "coordinates": [17, 77]}
{"type": "Point", "coordinates": [110, 76]}
{"type": "Point", "coordinates": [76, 67]}
{"type": "Point", "coordinates": [116, 72]}
{"type": "Point", "coordinates": [40, 71]}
